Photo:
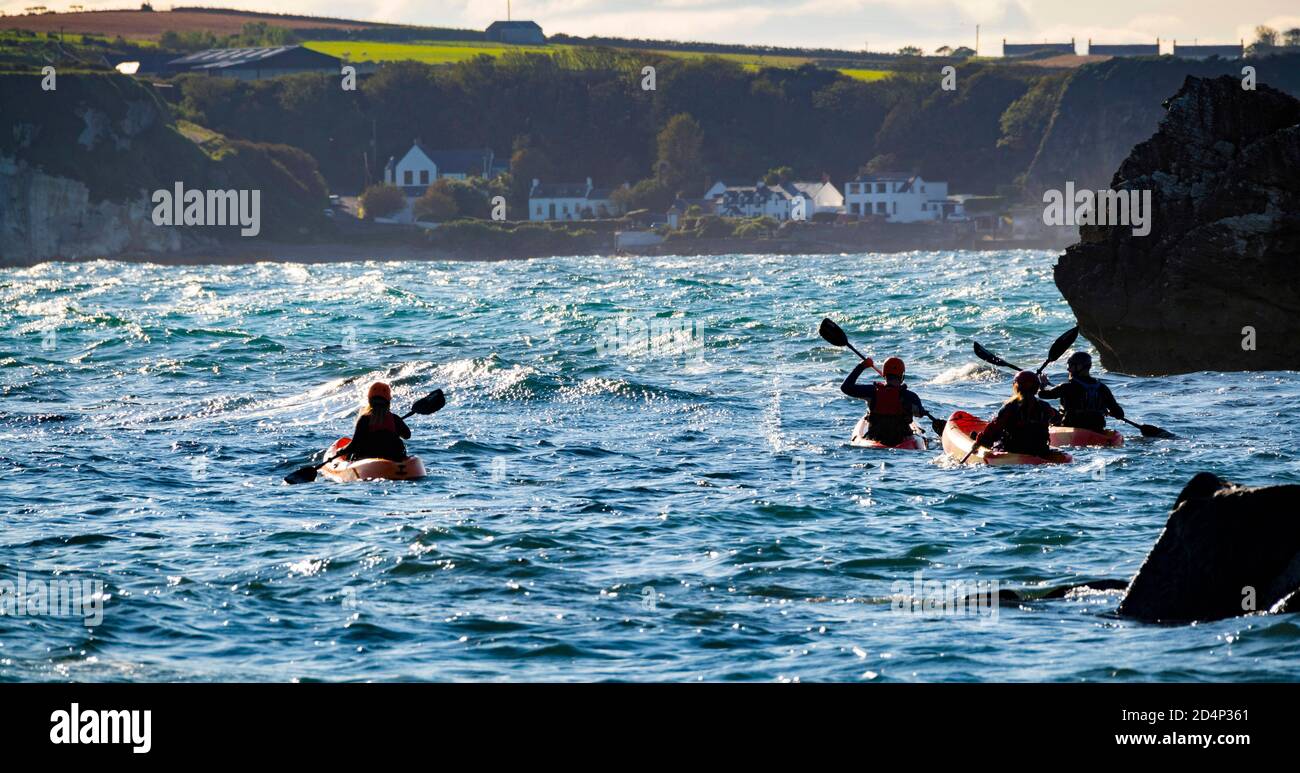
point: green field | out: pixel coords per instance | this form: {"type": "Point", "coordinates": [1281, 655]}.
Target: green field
{"type": "Point", "coordinates": [865, 75]}
{"type": "Point", "coordinates": [449, 52]}
{"type": "Point", "coordinates": [433, 52]}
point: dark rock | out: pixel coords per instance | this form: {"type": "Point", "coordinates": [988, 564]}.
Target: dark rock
{"type": "Point", "coordinates": [1220, 541]}
{"type": "Point", "coordinates": [1223, 253]}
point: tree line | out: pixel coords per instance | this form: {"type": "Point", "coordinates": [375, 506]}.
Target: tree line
{"type": "Point", "coordinates": [583, 112]}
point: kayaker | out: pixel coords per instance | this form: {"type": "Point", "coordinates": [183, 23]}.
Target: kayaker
{"type": "Point", "coordinates": [1021, 424]}
{"type": "Point", "coordinates": [379, 432]}
{"type": "Point", "coordinates": [1085, 400]}
{"type": "Point", "coordinates": [891, 404]}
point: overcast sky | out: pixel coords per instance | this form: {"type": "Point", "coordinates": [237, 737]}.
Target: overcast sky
{"type": "Point", "coordinates": [883, 25]}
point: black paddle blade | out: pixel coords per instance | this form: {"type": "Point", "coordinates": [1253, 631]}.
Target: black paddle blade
{"type": "Point", "coordinates": [431, 403]}
{"type": "Point", "coordinates": [991, 358]}
{"type": "Point", "coordinates": [938, 425]}
{"type": "Point", "coordinates": [1059, 346]}
{"type": "Point", "coordinates": [301, 475]}
{"type": "Point", "coordinates": [1151, 430]}
{"type": "Point", "coordinates": [833, 333]}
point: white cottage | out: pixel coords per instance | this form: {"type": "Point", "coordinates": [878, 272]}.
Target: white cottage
{"type": "Point", "coordinates": [757, 200]}
{"type": "Point", "coordinates": [900, 198]}
{"type": "Point", "coordinates": [569, 201]}
{"type": "Point", "coordinates": [420, 167]}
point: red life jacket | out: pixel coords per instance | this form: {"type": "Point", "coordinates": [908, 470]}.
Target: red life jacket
{"type": "Point", "coordinates": [387, 424]}
{"type": "Point", "coordinates": [890, 420]}
{"type": "Point", "coordinates": [888, 401]}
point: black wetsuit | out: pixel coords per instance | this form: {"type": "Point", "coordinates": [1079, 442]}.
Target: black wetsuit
{"type": "Point", "coordinates": [890, 417]}
{"type": "Point", "coordinates": [1085, 401]}
{"type": "Point", "coordinates": [379, 442]}
{"type": "Point", "coordinates": [1021, 426]}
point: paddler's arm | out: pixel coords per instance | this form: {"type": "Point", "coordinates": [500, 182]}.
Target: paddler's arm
{"type": "Point", "coordinates": [1052, 393]}
{"type": "Point", "coordinates": [918, 410]}
{"type": "Point", "coordinates": [358, 432]}
{"type": "Point", "coordinates": [403, 431]}
{"type": "Point", "coordinates": [1111, 404]}
{"type": "Point", "coordinates": [852, 388]}
{"type": "Point", "coordinates": [992, 432]}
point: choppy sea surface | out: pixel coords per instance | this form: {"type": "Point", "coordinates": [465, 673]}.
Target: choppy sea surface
{"type": "Point", "coordinates": [642, 473]}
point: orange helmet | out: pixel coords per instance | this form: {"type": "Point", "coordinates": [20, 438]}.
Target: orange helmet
{"type": "Point", "coordinates": [380, 389]}
{"type": "Point", "coordinates": [894, 367]}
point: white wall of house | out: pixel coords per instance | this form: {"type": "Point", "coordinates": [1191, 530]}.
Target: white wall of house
{"type": "Point", "coordinates": [823, 197]}
{"type": "Point", "coordinates": [556, 208]}
{"type": "Point", "coordinates": [897, 200]}
{"type": "Point", "coordinates": [570, 207]}
{"type": "Point", "coordinates": [415, 169]}
{"type": "Point", "coordinates": [751, 200]}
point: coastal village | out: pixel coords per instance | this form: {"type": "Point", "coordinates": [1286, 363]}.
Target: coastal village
{"type": "Point", "coordinates": [418, 187]}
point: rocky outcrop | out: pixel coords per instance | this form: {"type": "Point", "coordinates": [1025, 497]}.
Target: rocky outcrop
{"type": "Point", "coordinates": [1215, 285]}
{"type": "Point", "coordinates": [1225, 551]}
{"type": "Point", "coordinates": [43, 217]}
{"type": "Point", "coordinates": [78, 165]}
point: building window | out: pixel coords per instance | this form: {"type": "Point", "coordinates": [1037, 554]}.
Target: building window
{"type": "Point", "coordinates": [880, 187]}
{"type": "Point", "coordinates": [424, 176]}
{"type": "Point", "coordinates": [406, 177]}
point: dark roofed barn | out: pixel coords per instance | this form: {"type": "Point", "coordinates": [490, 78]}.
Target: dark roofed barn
{"type": "Point", "coordinates": [528, 32]}
{"type": "Point", "coordinates": [1030, 49]}
{"type": "Point", "coordinates": [257, 63]}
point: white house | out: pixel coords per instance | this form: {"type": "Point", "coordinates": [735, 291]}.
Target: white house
{"type": "Point", "coordinates": [757, 200]}
{"type": "Point", "coordinates": [824, 196]}
{"type": "Point", "coordinates": [569, 201]}
{"type": "Point", "coordinates": [901, 198]}
{"type": "Point", "coordinates": [420, 167]}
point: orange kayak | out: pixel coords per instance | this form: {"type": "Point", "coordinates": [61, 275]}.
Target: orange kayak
{"type": "Point", "coordinates": [959, 439]}
{"type": "Point", "coordinates": [1076, 436]}
{"type": "Point", "coordinates": [343, 471]}
{"type": "Point", "coordinates": [860, 439]}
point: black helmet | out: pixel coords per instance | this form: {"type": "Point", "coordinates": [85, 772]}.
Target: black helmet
{"type": "Point", "coordinates": [1079, 362]}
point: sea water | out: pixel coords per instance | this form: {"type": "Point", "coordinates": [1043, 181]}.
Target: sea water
{"type": "Point", "coordinates": [642, 473]}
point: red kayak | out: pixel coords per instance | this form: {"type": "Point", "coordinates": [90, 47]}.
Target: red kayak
{"type": "Point", "coordinates": [860, 439]}
{"type": "Point", "coordinates": [1077, 436]}
{"type": "Point", "coordinates": [959, 439]}
{"type": "Point", "coordinates": [344, 471]}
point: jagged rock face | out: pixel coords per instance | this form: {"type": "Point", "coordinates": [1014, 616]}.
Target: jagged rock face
{"type": "Point", "coordinates": [1225, 551]}
{"type": "Point", "coordinates": [42, 217]}
{"type": "Point", "coordinates": [1216, 283]}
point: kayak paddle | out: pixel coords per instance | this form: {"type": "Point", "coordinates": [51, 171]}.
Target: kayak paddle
{"type": "Point", "coordinates": [430, 403]}
{"type": "Point", "coordinates": [1148, 430]}
{"type": "Point", "coordinates": [1063, 342]}
{"type": "Point", "coordinates": [835, 336]}
{"type": "Point", "coordinates": [993, 359]}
